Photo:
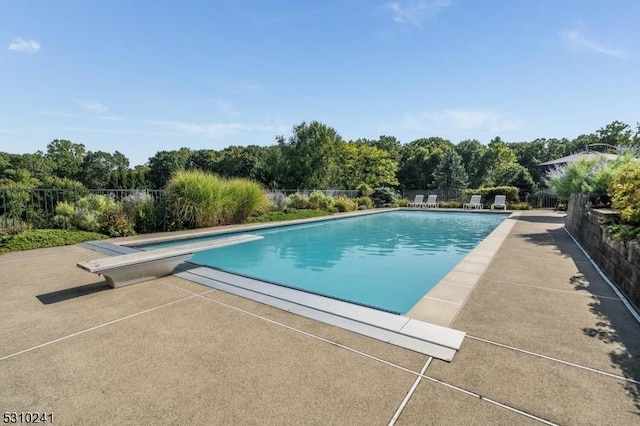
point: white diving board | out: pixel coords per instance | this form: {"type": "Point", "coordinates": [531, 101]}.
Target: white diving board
{"type": "Point", "coordinates": [141, 266]}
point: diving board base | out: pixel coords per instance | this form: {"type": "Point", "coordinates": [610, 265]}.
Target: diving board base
{"type": "Point", "coordinates": [150, 270]}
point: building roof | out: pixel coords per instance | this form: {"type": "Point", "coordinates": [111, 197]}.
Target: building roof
{"type": "Point", "coordinates": [575, 157]}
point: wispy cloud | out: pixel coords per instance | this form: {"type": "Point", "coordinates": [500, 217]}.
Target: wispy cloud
{"type": "Point", "coordinates": [225, 108]}
{"type": "Point", "coordinates": [575, 40]}
{"type": "Point", "coordinates": [462, 119]}
{"type": "Point", "coordinates": [91, 106]}
{"type": "Point", "coordinates": [20, 45]}
{"type": "Point", "coordinates": [217, 129]}
{"type": "Point", "coordinates": [414, 12]}
{"type": "Point", "coordinates": [113, 131]}
{"type": "Point", "coordinates": [245, 88]}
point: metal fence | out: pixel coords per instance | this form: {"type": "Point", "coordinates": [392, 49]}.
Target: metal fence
{"type": "Point", "coordinates": [349, 193]}
{"type": "Point", "coordinates": [443, 195]}
{"type": "Point", "coordinates": [35, 208]}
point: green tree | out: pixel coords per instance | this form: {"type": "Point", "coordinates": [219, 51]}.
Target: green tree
{"type": "Point", "coordinates": [96, 169]}
{"type": "Point", "coordinates": [418, 161]}
{"type": "Point", "coordinates": [616, 134]}
{"type": "Point", "coordinates": [362, 163]}
{"type": "Point", "coordinates": [203, 159]}
{"type": "Point", "coordinates": [450, 174]}
{"type": "Point", "coordinates": [310, 156]}
{"type": "Point", "coordinates": [471, 152]}
{"type": "Point", "coordinates": [164, 164]}
{"type": "Point", "coordinates": [66, 158]}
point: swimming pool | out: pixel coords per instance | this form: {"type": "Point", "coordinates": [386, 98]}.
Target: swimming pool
{"type": "Point", "coordinates": [387, 261]}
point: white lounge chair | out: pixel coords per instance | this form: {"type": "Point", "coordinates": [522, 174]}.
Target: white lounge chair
{"type": "Point", "coordinates": [417, 202]}
{"type": "Point", "coordinates": [500, 201]}
{"type": "Point", "coordinates": [474, 203]}
{"type": "Point", "coordinates": [431, 201]}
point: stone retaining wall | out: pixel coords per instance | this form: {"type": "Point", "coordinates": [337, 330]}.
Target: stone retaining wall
{"type": "Point", "coordinates": [618, 259]}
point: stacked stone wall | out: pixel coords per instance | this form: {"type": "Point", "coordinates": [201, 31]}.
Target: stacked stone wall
{"type": "Point", "coordinates": [620, 260]}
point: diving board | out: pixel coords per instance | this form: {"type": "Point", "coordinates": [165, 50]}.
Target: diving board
{"type": "Point", "coordinates": [141, 266]}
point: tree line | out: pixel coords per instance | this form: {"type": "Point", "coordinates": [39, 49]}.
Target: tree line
{"type": "Point", "coordinates": [315, 156]}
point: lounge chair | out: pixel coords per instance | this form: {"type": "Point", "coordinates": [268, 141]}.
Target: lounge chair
{"type": "Point", "coordinates": [417, 202]}
{"type": "Point", "coordinates": [474, 203]}
{"type": "Point", "coordinates": [500, 201]}
{"type": "Point", "coordinates": [431, 201]}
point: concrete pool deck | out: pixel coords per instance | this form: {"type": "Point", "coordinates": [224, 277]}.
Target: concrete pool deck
{"type": "Point", "coordinates": [547, 339]}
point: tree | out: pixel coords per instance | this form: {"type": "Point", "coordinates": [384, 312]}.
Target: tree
{"type": "Point", "coordinates": [471, 152]}
{"type": "Point", "coordinates": [203, 159]}
{"type": "Point", "coordinates": [97, 168]}
{"type": "Point", "coordinates": [164, 164]}
{"type": "Point", "coordinates": [66, 158]}
{"type": "Point", "coordinates": [419, 159]}
{"type": "Point", "coordinates": [240, 161]}
{"type": "Point", "coordinates": [362, 163]}
{"type": "Point", "coordinates": [616, 134]}
{"type": "Point", "coordinates": [450, 174]}
{"type": "Point", "coordinates": [310, 155]}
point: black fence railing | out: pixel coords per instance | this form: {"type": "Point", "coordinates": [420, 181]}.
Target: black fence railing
{"type": "Point", "coordinates": [349, 193]}
{"type": "Point", "coordinates": [35, 208]}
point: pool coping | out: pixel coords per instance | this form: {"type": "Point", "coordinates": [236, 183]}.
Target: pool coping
{"type": "Point", "coordinates": [443, 303]}
{"type": "Point", "coordinates": [424, 329]}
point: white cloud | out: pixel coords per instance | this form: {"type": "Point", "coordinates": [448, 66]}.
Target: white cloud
{"type": "Point", "coordinates": [575, 40]}
{"type": "Point", "coordinates": [217, 129]}
{"type": "Point", "coordinates": [20, 45]}
{"type": "Point", "coordinates": [244, 88]}
{"type": "Point", "coordinates": [462, 119]}
{"type": "Point", "coordinates": [91, 106]}
{"type": "Point", "coordinates": [414, 12]}
{"type": "Point", "coordinates": [225, 108]}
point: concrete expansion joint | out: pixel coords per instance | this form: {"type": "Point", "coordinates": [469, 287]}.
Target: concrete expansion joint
{"type": "Point", "coordinates": [560, 361]}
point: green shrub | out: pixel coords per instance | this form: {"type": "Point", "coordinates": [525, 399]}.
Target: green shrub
{"type": "Point", "coordinates": [519, 206]}
{"type": "Point", "coordinates": [115, 223]}
{"type": "Point", "coordinates": [364, 203]}
{"type": "Point", "coordinates": [243, 198]}
{"type": "Point", "coordinates": [279, 201]}
{"type": "Point", "coordinates": [298, 201]}
{"type": "Point", "coordinates": [64, 212]}
{"type": "Point", "coordinates": [288, 214]}
{"type": "Point", "coordinates": [321, 201]}
{"type": "Point", "coordinates": [364, 190]}
{"type": "Point", "coordinates": [450, 204]}
{"type": "Point", "coordinates": [86, 220]}
{"type": "Point", "coordinates": [196, 198]}
{"type": "Point", "coordinates": [40, 238]}
{"type": "Point", "coordinates": [344, 204]}
{"type": "Point", "coordinates": [587, 175]}
{"type": "Point", "coordinates": [384, 197]}
{"type": "Point", "coordinates": [403, 202]}
{"type": "Point", "coordinates": [146, 214]}
{"type": "Point", "coordinates": [624, 232]}
{"type": "Point", "coordinates": [625, 193]}
{"type": "Point", "coordinates": [489, 194]}
{"type": "Point", "coordinates": [199, 199]}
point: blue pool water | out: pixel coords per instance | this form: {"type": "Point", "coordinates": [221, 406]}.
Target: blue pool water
{"type": "Point", "coordinates": [388, 261]}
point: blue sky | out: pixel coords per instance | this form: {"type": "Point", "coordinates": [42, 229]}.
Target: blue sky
{"type": "Point", "coordinates": [143, 76]}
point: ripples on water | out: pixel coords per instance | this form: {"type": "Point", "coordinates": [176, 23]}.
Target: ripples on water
{"type": "Point", "coordinates": [387, 260]}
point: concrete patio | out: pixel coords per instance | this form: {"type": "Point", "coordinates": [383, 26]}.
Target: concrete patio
{"type": "Point", "coordinates": [548, 341]}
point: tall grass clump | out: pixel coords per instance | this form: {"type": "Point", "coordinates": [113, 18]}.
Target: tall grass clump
{"type": "Point", "coordinates": [199, 199]}
{"type": "Point", "coordinates": [242, 198]}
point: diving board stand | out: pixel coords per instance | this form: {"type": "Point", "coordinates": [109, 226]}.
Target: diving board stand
{"type": "Point", "coordinates": [141, 266]}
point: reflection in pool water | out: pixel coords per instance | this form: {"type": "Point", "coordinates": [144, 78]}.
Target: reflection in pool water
{"type": "Point", "coordinates": [388, 261]}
